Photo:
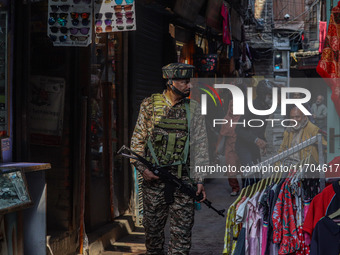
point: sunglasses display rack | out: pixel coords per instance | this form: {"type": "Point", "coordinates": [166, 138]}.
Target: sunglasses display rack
{"type": "Point", "coordinates": [70, 22]}
{"type": "Point", "coordinates": [114, 16]}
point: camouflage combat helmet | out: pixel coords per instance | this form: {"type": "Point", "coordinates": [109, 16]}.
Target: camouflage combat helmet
{"type": "Point", "coordinates": [178, 71]}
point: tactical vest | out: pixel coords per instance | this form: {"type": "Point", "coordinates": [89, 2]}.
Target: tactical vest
{"type": "Point", "coordinates": [169, 142]}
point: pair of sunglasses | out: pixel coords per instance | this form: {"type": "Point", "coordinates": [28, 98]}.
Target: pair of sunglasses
{"type": "Point", "coordinates": [73, 30]}
{"type": "Point", "coordinates": [83, 30]}
{"type": "Point", "coordinates": [84, 1]}
{"type": "Point", "coordinates": [99, 23]}
{"type": "Point", "coordinates": [119, 2]}
{"type": "Point", "coordinates": [61, 22]}
{"type": "Point", "coordinates": [84, 22]}
{"type": "Point", "coordinates": [108, 15]}
{"type": "Point", "coordinates": [61, 15]}
{"type": "Point", "coordinates": [83, 15]}
{"type": "Point", "coordinates": [127, 27]}
{"type": "Point", "coordinates": [120, 21]}
{"type": "Point", "coordinates": [62, 30]}
{"type": "Point", "coordinates": [101, 1]}
{"type": "Point", "coordinates": [119, 8]}
{"type": "Point", "coordinates": [62, 38]}
{"type": "Point", "coordinates": [108, 28]}
{"type": "Point", "coordinates": [63, 8]}
{"type": "Point", "coordinates": [78, 38]}
{"type": "Point", "coordinates": [120, 15]}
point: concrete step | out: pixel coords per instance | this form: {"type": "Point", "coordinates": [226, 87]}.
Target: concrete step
{"type": "Point", "coordinates": [130, 244]}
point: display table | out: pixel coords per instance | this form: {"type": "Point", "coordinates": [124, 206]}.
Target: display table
{"type": "Point", "coordinates": [30, 227]}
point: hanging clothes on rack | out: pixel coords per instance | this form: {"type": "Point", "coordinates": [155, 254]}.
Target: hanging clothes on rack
{"type": "Point", "coordinates": [329, 65]}
{"type": "Point", "coordinates": [269, 216]}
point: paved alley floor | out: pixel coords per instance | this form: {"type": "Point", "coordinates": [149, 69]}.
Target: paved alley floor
{"type": "Point", "coordinates": [208, 231]}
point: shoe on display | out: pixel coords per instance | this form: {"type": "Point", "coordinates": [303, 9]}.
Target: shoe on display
{"type": "Point", "coordinates": [234, 193]}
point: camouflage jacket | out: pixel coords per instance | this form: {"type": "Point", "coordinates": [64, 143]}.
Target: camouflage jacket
{"type": "Point", "coordinates": [144, 130]}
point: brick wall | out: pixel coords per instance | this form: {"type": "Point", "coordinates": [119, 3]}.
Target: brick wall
{"type": "Point", "coordinates": [264, 66]}
{"type": "Point", "coordinates": [263, 9]}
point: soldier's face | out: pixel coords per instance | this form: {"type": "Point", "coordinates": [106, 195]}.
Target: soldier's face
{"type": "Point", "coordinates": [182, 85]}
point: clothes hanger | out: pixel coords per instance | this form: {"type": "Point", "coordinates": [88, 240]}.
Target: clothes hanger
{"type": "Point", "coordinates": [254, 188]}
{"type": "Point", "coordinates": [275, 177]}
{"type": "Point", "coordinates": [271, 179]}
{"type": "Point", "coordinates": [264, 184]}
{"type": "Point", "coordinates": [279, 176]}
{"type": "Point", "coordinates": [252, 191]}
{"type": "Point", "coordinates": [239, 197]}
{"type": "Point", "coordinates": [248, 190]}
{"type": "Point", "coordinates": [335, 214]}
{"type": "Point", "coordinates": [260, 185]}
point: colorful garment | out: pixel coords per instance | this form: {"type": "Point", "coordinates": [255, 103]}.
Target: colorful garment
{"type": "Point", "coordinates": [253, 226]}
{"type": "Point", "coordinates": [231, 232]}
{"type": "Point", "coordinates": [264, 237]}
{"type": "Point", "coordinates": [226, 25]}
{"type": "Point", "coordinates": [284, 227]}
{"type": "Point", "coordinates": [318, 208]}
{"type": "Point", "coordinates": [240, 202]}
{"type": "Point", "coordinates": [297, 193]}
{"type": "Point", "coordinates": [328, 66]}
{"type": "Point", "coordinates": [305, 210]}
{"type": "Point", "coordinates": [304, 248]}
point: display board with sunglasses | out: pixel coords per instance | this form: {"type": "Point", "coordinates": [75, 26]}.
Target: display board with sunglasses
{"type": "Point", "coordinates": [114, 15]}
{"type": "Point", "coordinates": [70, 22]}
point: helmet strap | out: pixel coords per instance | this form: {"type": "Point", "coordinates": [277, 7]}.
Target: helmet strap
{"type": "Point", "coordinates": [177, 91]}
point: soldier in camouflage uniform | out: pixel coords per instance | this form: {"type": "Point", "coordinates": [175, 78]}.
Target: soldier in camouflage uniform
{"type": "Point", "coordinates": [161, 135]}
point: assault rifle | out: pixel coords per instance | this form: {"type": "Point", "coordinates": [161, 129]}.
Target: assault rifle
{"type": "Point", "coordinates": [168, 178]}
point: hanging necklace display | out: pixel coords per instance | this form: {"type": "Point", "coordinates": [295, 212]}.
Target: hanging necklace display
{"type": "Point", "coordinates": [114, 16]}
{"type": "Point", "coordinates": [70, 22]}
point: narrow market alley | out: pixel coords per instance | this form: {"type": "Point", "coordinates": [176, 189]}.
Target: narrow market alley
{"type": "Point", "coordinates": [208, 231]}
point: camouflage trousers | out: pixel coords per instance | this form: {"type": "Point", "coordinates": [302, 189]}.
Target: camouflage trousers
{"type": "Point", "coordinates": [155, 215]}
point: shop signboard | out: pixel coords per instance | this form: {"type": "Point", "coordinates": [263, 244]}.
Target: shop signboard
{"type": "Point", "coordinates": [46, 109]}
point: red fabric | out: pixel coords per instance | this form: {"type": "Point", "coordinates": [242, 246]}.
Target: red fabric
{"type": "Point", "coordinates": [226, 26]}
{"type": "Point", "coordinates": [318, 208]}
{"type": "Point", "coordinates": [304, 248]}
{"type": "Point", "coordinates": [322, 34]}
{"type": "Point", "coordinates": [329, 65]}
{"type": "Point", "coordinates": [284, 227]}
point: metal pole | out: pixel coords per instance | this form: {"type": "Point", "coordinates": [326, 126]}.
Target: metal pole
{"type": "Point", "coordinates": [82, 173]}
{"type": "Point", "coordinates": [321, 162]}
